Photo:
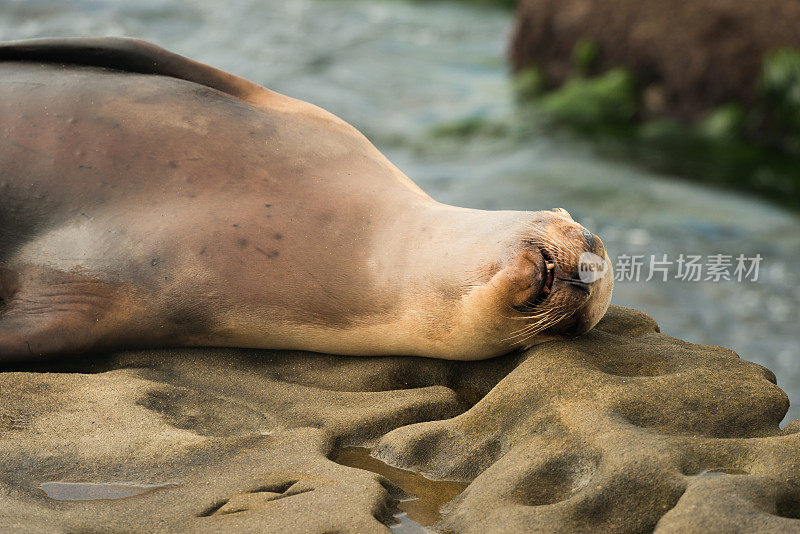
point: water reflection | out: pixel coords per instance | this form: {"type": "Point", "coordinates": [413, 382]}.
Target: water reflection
{"type": "Point", "coordinates": [426, 496]}
{"type": "Point", "coordinates": [89, 491]}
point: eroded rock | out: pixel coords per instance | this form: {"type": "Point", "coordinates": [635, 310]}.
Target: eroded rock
{"type": "Point", "coordinates": [625, 429]}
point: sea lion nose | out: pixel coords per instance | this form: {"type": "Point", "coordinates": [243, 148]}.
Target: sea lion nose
{"type": "Point", "coordinates": [589, 237]}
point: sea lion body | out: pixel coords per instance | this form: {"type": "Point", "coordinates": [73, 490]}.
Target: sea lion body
{"type": "Point", "coordinates": [147, 200]}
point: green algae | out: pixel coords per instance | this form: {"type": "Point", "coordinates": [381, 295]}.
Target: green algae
{"type": "Point", "coordinates": [752, 147]}
{"type": "Point", "coordinates": [589, 103]}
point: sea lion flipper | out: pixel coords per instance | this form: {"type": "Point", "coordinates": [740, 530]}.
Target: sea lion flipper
{"type": "Point", "coordinates": [49, 312]}
{"type": "Point", "coordinates": [128, 54]}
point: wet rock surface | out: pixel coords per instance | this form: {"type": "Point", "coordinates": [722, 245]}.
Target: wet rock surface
{"type": "Point", "coordinates": [624, 430]}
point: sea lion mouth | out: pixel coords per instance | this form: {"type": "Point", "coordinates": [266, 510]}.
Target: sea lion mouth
{"type": "Point", "coordinates": [576, 283]}
{"type": "Point", "coordinates": [549, 269]}
{"type": "Point", "coordinates": [536, 272]}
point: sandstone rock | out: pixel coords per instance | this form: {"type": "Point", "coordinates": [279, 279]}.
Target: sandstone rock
{"type": "Point", "coordinates": [624, 430]}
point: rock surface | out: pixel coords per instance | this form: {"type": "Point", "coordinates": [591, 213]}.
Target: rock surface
{"type": "Point", "coordinates": [623, 430]}
{"type": "Point", "coordinates": [691, 55]}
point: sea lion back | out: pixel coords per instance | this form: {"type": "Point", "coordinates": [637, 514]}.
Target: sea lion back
{"type": "Point", "coordinates": [130, 55]}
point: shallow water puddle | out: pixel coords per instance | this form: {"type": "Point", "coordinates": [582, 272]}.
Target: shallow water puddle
{"type": "Point", "coordinates": [428, 496]}
{"type": "Point", "coordinates": [89, 491]}
{"type": "Point", "coordinates": [717, 471]}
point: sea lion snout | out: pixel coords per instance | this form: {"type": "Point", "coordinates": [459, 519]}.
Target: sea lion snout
{"type": "Point", "coordinates": [586, 280]}
{"type": "Point", "coordinates": [590, 239]}
{"type": "Point", "coordinates": [561, 279]}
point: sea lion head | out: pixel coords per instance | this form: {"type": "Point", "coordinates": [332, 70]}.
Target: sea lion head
{"type": "Point", "coordinates": [554, 282]}
{"type": "Point", "coordinates": [559, 282]}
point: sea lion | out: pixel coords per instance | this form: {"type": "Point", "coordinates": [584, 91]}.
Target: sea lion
{"type": "Point", "coordinates": [147, 200]}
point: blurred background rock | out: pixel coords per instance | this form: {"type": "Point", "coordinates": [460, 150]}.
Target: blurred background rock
{"type": "Point", "coordinates": [667, 129]}
{"type": "Point", "coordinates": [709, 89]}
